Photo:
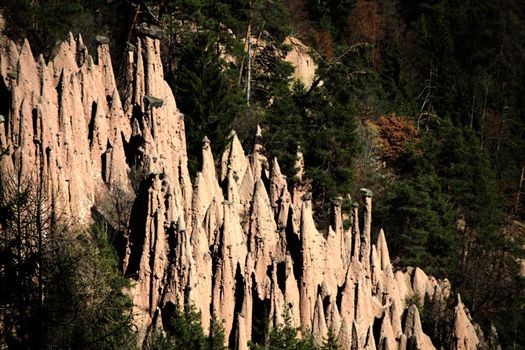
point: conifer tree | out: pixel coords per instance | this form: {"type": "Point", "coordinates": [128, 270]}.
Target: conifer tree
{"type": "Point", "coordinates": [205, 95]}
{"type": "Point", "coordinates": [330, 342]}
{"type": "Point", "coordinates": [60, 286]}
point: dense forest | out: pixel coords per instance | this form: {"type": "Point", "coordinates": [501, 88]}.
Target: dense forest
{"type": "Point", "coordinates": [422, 102]}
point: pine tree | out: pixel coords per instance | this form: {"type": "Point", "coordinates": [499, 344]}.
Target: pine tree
{"type": "Point", "coordinates": [283, 122]}
{"type": "Point", "coordinates": [205, 95]}
{"type": "Point", "coordinates": [185, 330]}
{"type": "Point", "coordinates": [330, 342]}
{"type": "Point", "coordinates": [216, 337]}
{"type": "Point", "coordinates": [286, 336]}
{"type": "Point", "coordinates": [60, 287]}
{"type": "Point", "coordinates": [330, 126]}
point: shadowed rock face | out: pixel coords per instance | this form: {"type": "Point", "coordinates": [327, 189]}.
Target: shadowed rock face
{"type": "Point", "coordinates": [238, 244]}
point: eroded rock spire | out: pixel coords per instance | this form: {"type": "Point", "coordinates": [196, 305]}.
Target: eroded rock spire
{"type": "Point", "coordinates": [238, 245]}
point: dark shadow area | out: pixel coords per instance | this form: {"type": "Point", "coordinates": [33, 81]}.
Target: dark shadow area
{"type": "Point", "coordinates": [116, 238]}
{"type": "Point", "coordinates": [104, 161]}
{"type": "Point", "coordinates": [131, 148]}
{"type": "Point", "coordinates": [281, 276]}
{"type": "Point", "coordinates": [167, 313]}
{"type": "Point", "coordinates": [339, 296]}
{"type": "Point", "coordinates": [376, 328]}
{"type": "Point", "coordinates": [326, 303]}
{"type": "Point", "coordinates": [294, 248]}
{"type": "Point", "coordinates": [34, 119]}
{"type": "Point", "coordinates": [5, 102]}
{"type": "Point", "coordinates": [356, 289]}
{"type": "Point", "coordinates": [91, 127]}
{"type": "Point", "coordinates": [137, 224]}
{"type": "Point", "coordinates": [260, 314]}
{"type": "Point", "coordinates": [239, 299]}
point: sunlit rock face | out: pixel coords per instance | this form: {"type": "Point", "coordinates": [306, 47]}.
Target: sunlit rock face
{"type": "Point", "coordinates": [237, 243]}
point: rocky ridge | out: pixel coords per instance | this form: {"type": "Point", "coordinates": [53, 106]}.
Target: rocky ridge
{"type": "Point", "coordinates": [237, 243]}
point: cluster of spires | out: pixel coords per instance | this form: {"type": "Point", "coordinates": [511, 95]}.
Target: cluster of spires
{"type": "Point", "coordinates": [237, 244]}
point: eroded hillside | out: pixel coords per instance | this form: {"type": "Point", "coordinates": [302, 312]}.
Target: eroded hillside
{"type": "Point", "coordinates": [237, 243]}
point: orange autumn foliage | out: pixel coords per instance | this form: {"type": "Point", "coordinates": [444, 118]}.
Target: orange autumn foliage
{"type": "Point", "coordinates": [321, 40]}
{"type": "Point", "coordinates": [395, 133]}
{"type": "Point", "coordinates": [324, 44]}
{"type": "Point", "coordinates": [495, 125]}
{"type": "Point", "coordinates": [365, 24]}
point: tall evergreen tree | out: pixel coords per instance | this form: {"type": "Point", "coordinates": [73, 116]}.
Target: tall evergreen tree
{"type": "Point", "coordinates": [205, 95]}
{"type": "Point", "coordinates": [59, 287]}
{"type": "Point", "coordinates": [330, 126]}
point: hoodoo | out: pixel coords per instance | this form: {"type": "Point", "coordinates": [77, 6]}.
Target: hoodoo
{"type": "Point", "coordinates": [233, 241]}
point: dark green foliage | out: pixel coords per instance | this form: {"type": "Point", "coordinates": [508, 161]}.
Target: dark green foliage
{"type": "Point", "coordinates": [446, 179]}
{"type": "Point", "coordinates": [444, 213]}
{"type": "Point", "coordinates": [330, 126]}
{"type": "Point", "coordinates": [205, 95]}
{"type": "Point", "coordinates": [396, 80]}
{"type": "Point", "coordinates": [185, 332]}
{"type": "Point", "coordinates": [44, 23]}
{"type": "Point", "coordinates": [419, 223]}
{"type": "Point", "coordinates": [216, 337]}
{"type": "Point", "coordinates": [330, 15]}
{"type": "Point", "coordinates": [449, 207]}
{"type": "Point", "coordinates": [287, 337]}
{"type": "Point", "coordinates": [85, 304]}
{"type": "Point", "coordinates": [156, 341]}
{"type": "Point", "coordinates": [322, 121]}
{"type": "Point", "coordinates": [218, 16]}
{"type": "Point", "coordinates": [59, 288]}
{"type": "Point", "coordinates": [417, 215]}
{"type": "Point", "coordinates": [271, 16]}
{"type": "Point", "coordinates": [330, 342]}
{"type": "Point", "coordinates": [207, 88]}
{"type": "Point", "coordinates": [284, 124]}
